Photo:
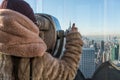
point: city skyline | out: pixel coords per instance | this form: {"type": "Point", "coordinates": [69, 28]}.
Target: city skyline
{"type": "Point", "coordinates": [92, 17]}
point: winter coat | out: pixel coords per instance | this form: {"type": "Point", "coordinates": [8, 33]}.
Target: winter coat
{"type": "Point", "coordinates": [38, 66]}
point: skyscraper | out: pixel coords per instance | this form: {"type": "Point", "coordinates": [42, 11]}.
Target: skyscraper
{"type": "Point", "coordinates": [102, 46]}
{"type": "Point", "coordinates": [87, 62]}
{"type": "Point", "coordinates": [115, 52]}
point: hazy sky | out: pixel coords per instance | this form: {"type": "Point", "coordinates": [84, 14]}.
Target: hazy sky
{"type": "Point", "coordinates": [90, 16]}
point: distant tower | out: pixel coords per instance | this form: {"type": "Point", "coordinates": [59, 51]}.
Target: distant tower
{"type": "Point", "coordinates": [116, 51]}
{"type": "Point", "coordinates": [93, 42]}
{"type": "Point", "coordinates": [102, 46]}
{"type": "Point", "coordinates": [69, 25]}
{"type": "Point", "coordinates": [87, 62]}
{"type": "Point", "coordinates": [119, 50]}
{"type": "Point", "coordinates": [69, 28]}
{"type": "Point", "coordinates": [96, 48]}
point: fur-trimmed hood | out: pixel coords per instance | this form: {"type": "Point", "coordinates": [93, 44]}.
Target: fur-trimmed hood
{"type": "Point", "coordinates": [19, 36]}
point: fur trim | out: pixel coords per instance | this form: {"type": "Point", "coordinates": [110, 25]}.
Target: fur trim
{"type": "Point", "coordinates": [19, 36]}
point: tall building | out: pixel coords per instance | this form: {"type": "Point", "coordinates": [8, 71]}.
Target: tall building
{"type": "Point", "coordinates": [87, 62]}
{"type": "Point", "coordinates": [96, 48]}
{"type": "Point", "coordinates": [102, 46]}
{"type": "Point", "coordinates": [115, 52]}
{"type": "Point", "coordinates": [119, 49]}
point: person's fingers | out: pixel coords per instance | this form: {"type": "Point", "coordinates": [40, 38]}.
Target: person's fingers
{"type": "Point", "coordinates": [74, 28]}
{"type": "Point", "coordinates": [73, 25]}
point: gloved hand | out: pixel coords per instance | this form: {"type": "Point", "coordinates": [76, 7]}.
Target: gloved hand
{"type": "Point", "coordinates": [74, 29]}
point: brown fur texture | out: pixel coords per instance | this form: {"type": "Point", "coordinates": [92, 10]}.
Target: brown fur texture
{"type": "Point", "coordinates": [19, 36]}
{"type": "Point", "coordinates": [46, 67]}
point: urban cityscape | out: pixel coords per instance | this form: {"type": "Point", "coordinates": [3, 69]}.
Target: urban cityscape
{"type": "Point", "coordinates": [97, 20]}
{"type": "Point", "coordinates": [97, 50]}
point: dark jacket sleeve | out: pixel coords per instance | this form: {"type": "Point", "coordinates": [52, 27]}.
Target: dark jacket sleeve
{"type": "Point", "coordinates": [66, 67]}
